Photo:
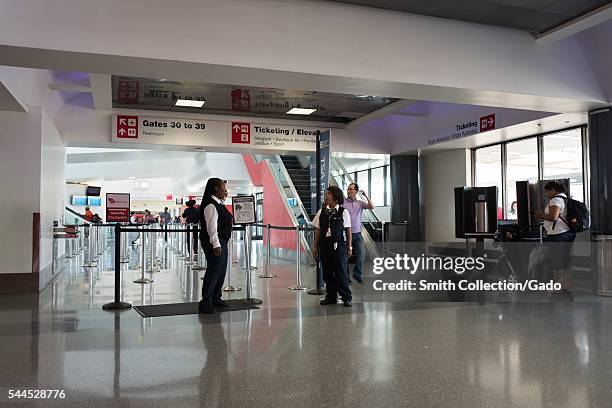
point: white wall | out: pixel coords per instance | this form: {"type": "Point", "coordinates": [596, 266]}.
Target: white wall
{"type": "Point", "coordinates": [20, 172]}
{"type": "Point", "coordinates": [52, 176]}
{"type": "Point", "coordinates": [440, 174]}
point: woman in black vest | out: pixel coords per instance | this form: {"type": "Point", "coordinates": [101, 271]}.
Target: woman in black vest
{"type": "Point", "coordinates": [216, 225]}
{"type": "Point", "coordinates": [332, 246]}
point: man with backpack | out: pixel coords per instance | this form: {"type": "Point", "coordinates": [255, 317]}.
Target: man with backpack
{"type": "Point", "coordinates": [562, 217]}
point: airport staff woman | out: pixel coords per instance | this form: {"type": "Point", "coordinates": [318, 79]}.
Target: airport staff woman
{"type": "Point", "coordinates": [558, 232]}
{"type": "Point", "coordinates": [332, 245]}
{"type": "Point", "coordinates": [216, 222]}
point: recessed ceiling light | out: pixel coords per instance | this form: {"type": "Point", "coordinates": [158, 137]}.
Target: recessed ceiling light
{"type": "Point", "coordinates": [132, 178]}
{"type": "Point", "coordinates": [301, 111]}
{"type": "Point", "coordinates": [189, 103]}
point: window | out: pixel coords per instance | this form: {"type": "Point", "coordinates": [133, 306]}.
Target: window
{"type": "Point", "coordinates": [506, 163]}
{"type": "Point", "coordinates": [377, 181]}
{"type": "Point", "coordinates": [563, 159]}
{"type": "Point", "coordinates": [521, 164]}
{"type": "Point", "coordinates": [362, 177]}
{"type": "Point", "coordinates": [489, 170]}
{"type": "Point", "coordinates": [387, 185]}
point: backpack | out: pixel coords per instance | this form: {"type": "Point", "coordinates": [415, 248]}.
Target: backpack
{"type": "Point", "coordinates": [577, 214]}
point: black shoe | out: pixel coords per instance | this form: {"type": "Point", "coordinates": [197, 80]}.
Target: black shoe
{"type": "Point", "coordinates": [347, 303]}
{"type": "Point", "coordinates": [221, 303]}
{"type": "Point", "coordinates": [328, 302]}
{"type": "Point", "coordinates": [357, 279]}
{"type": "Point", "coordinates": [207, 310]}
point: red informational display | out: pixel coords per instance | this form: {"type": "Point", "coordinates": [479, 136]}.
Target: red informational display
{"type": "Point", "coordinates": [127, 91]}
{"type": "Point", "coordinates": [487, 123]}
{"type": "Point", "coordinates": [241, 132]}
{"type": "Point", "coordinates": [127, 127]}
{"type": "Point", "coordinates": [241, 100]}
{"type": "Point", "coordinates": [117, 207]}
{"type": "Point", "coordinates": [168, 196]}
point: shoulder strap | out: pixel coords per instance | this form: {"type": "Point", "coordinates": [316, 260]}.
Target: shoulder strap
{"type": "Point", "coordinates": [560, 217]}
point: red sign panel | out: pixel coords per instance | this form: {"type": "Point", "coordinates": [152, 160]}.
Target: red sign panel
{"type": "Point", "coordinates": [168, 196]}
{"type": "Point", "coordinates": [241, 100]}
{"type": "Point", "coordinates": [127, 91]}
{"type": "Point", "coordinates": [117, 207]}
{"type": "Point", "coordinates": [127, 127]}
{"type": "Point", "coordinates": [487, 123]}
{"type": "Point", "coordinates": [241, 132]}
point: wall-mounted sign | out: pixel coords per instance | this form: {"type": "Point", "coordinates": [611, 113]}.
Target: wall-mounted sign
{"type": "Point", "coordinates": [243, 208]}
{"type": "Point", "coordinates": [117, 207]}
{"type": "Point", "coordinates": [467, 128]}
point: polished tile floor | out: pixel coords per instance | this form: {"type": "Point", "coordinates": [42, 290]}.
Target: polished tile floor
{"type": "Point", "coordinates": [292, 352]}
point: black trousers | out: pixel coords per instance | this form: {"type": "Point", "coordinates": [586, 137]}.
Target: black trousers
{"type": "Point", "coordinates": [334, 264]}
{"type": "Point", "coordinates": [214, 276]}
{"type": "Point", "coordinates": [192, 237]}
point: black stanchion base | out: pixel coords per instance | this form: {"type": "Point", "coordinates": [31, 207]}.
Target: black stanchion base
{"type": "Point", "coordinates": [253, 301]}
{"type": "Point", "coordinates": [117, 306]}
{"type": "Point", "coordinates": [317, 292]}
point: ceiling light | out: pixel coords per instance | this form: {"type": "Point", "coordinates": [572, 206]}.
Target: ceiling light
{"type": "Point", "coordinates": [301, 111]}
{"type": "Point", "coordinates": [132, 178]}
{"type": "Point", "coordinates": [189, 103]}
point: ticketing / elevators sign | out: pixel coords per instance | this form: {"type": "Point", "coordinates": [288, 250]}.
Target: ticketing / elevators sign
{"type": "Point", "coordinates": [117, 207]}
{"type": "Point", "coordinates": [244, 210]}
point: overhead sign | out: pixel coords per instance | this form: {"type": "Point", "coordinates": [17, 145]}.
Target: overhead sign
{"type": "Point", "coordinates": [117, 207]}
{"type": "Point", "coordinates": [243, 208]}
{"type": "Point", "coordinates": [467, 128]}
{"type": "Point", "coordinates": [127, 126]}
{"type": "Point", "coordinates": [195, 132]}
{"type": "Point", "coordinates": [487, 123]}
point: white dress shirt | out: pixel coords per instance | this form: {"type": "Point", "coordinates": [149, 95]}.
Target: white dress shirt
{"type": "Point", "coordinates": [210, 218]}
{"type": "Point", "coordinates": [346, 220]}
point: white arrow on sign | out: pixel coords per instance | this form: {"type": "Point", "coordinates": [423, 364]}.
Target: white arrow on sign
{"type": "Point", "coordinates": [491, 121]}
{"type": "Point", "coordinates": [121, 132]}
{"type": "Point", "coordinates": [236, 128]}
{"type": "Point", "coordinates": [122, 121]}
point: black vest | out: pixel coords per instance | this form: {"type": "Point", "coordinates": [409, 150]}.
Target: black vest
{"type": "Point", "coordinates": [334, 222]}
{"type": "Point", "coordinates": [224, 223]}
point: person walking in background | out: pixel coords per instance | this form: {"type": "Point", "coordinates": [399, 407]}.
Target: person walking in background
{"type": "Point", "coordinates": [216, 225]}
{"type": "Point", "coordinates": [149, 218]}
{"type": "Point", "coordinates": [191, 215]}
{"type": "Point", "coordinates": [164, 219]}
{"type": "Point", "coordinates": [88, 214]}
{"type": "Point", "coordinates": [355, 208]}
{"type": "Point", "coordinates": [332, 246]}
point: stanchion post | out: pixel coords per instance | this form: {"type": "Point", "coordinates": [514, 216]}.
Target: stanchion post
{"type": "Point", "coordinates": [230, 251]}
{"type": "Point", "coordinates": [298, 262]}
{"type": "Point", "coordinates": [200, 263]}
{"type": "Point", "coordinates": [247, 269]}
{"type": "Point", "coordinates": [142, 279]}
{"type": "Point", "coordinates": [267, 273]}
{"type": "Point", "coordinates": [117, 304]}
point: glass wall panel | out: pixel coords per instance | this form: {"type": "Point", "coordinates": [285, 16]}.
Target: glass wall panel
{"type": "Point", "coordinates": [563, 159]}
{"type": "Point", "coordinates": [378, 187]}
{"type": "Point", "coordinates": [521, 164]}
{"type": "Point", "coordinates": [488, 168]}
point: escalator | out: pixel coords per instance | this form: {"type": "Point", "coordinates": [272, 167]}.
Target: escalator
{"type": "Point", "coordinates": [300, 176]}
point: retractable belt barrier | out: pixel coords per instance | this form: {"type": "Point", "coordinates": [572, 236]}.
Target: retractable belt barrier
{"type": "Point", "coordinates": [179, 243]}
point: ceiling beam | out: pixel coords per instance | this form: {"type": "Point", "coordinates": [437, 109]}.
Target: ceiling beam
{"type": "Point", "coordinates": [8, 102]}
{"type": "Point", "coordinates": [101, 91]}
{"type": "Point", "coordinates": [584, 22]}
{"type": "Point", "coordinates": [391, 109]}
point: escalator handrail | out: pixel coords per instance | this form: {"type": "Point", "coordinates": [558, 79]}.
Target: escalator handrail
{"type": "Point", "coordinates": [80, 216]}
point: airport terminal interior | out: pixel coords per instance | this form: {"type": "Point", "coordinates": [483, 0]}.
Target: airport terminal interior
{"type": "Point", "coordinates": [154, 153]}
